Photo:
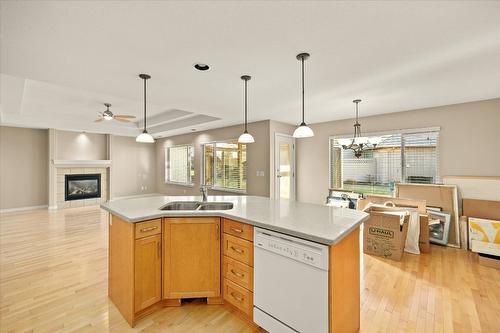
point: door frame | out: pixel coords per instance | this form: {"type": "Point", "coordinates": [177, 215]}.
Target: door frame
{"type": "Point", "coordinates": [276, 163]}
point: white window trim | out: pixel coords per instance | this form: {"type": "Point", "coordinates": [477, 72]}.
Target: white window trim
{"type": "Point", "coordinates": [388, 132]}
{"type": "Point", "coordinates": [202, 173]}
{"type": "Point", "coordinates": [167, 166]}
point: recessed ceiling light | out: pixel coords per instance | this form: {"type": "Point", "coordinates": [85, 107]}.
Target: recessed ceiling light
{"type": "Point", "coordinates": [201, 67]}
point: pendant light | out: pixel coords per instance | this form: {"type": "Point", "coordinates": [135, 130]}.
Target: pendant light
{"type": "Point", "coordinates": [246, 137]}
{"type": "Point", "coordinates": [145, 137]}
{"type": "Point", "coordinates": [303, 131]}
{"type": "Point", "coordinates": [359, 143]}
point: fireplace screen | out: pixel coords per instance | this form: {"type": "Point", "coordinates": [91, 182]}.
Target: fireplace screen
{"type": "Point", "coordinates": [85, 186]}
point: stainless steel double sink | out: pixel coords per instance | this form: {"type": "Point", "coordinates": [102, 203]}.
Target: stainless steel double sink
{"type": "Point", "coordinates": [197, 205]}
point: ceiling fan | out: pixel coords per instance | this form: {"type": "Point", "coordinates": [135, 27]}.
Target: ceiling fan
{"type": "Point", "coordinates": [108, 115]}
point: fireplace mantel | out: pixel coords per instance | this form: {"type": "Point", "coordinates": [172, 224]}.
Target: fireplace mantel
{"type": "Point", "coordinates": [82, 163]}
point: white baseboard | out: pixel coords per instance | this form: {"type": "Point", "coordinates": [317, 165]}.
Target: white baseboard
{"type": "Point", "coordinates": [136, 196]}
{"type": "Point", "coordinates": [20, 209]}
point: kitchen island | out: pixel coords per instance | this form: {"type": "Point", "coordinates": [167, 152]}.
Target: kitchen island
{"type": "Point", "coordinates": [161, 252]}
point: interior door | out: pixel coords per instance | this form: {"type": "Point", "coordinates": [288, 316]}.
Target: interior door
{"type": "Point", "coordinates": [284, 161]}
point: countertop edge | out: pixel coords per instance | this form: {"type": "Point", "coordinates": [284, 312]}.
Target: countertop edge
{"type": "Point", "coordinates": [223, 214]}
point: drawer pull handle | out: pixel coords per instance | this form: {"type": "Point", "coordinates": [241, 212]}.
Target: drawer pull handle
{"type": "Point", "coordinates": [236, 230]}
{"type": "Point", "coordinates": [149, 229]}
{"type": "Point", "coordinates": [240, 251]}
{"type": "Point", "coordinates": [237, 274]}
{"type": "Point", "coordinates": [239, 299]}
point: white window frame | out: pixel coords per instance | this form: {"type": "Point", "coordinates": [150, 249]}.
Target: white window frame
{"type": "Point", "coordinates": [167, 166]}
{"type": "Point", "coordinates": [388, 132]}
{"type": "Point", "coordinates": [202, 173]}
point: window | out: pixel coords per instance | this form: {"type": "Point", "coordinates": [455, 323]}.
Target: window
{"type": "Point", "coordinates": [225, 165]}
{"type": "Point", "coordinates": [179, 165]}
{"type": "Point", "coordinates": [408, 157]}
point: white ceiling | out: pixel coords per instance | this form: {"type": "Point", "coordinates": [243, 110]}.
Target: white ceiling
{"type": "Point", "coordinates": [61, 60]}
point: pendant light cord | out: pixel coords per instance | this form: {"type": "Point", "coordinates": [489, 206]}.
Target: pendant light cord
{"type": "Point", "coordinates": [303, 114]}
{"type": "Point", "coordinates": [144, 104]}
{"type": "Point", "coordinates": [246, 105]}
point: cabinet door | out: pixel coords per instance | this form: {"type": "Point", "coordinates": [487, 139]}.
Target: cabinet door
{"type": "Point", "coordinates": [147, 277]}
{"type": "Point", "coordinates": [191, 257]}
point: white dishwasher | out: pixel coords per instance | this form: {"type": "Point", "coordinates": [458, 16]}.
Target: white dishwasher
{"type": "Point", "coordinates": [290, 283]}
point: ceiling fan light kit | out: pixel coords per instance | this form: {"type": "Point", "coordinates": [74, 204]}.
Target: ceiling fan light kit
{"type": "Point", "coordinates": [303, 131]}
{"type": "Point", "coordinates": [246, 137]}
{"type": "Point", "coordinates": [108, 115]}
{"type": "Point", "coordinates": [145, 137]}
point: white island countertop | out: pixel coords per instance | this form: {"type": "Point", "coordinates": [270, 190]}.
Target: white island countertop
{"type": "Point", "coordinates": [317, 223]}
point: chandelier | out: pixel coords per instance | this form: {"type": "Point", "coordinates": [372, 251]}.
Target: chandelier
{"type": "Point", "coordinates": [359, 143]}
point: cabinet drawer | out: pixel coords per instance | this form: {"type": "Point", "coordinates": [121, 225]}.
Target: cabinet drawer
{"type": "Point", "coordinates": [148, 228]}
{"type": "Point", "coordinates": [239, 297]}
{"type": "Point", "coordinates": [239, 273]}
{"type": "Point", "coordinates": [238, 249]}
{"type": "Point", "coordinates": [238, 229]}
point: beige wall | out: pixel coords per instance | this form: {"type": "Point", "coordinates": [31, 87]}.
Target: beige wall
{"type": "Point", "coordinates": [257, 158]}
{"type": "Point", "coordinates": [23, 167]}
{"type": "Point", "coordinates": [80, 146]}
{"type": "Point", "coordinates": [133, 169]}
{"type": "Point", "coordinates": [469, 142]}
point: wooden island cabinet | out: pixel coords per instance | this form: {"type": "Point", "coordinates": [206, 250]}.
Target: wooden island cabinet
{"type": "Point", "coordinates": [157, 263]}
{"type": "Point", "coordinates": [134, 276]}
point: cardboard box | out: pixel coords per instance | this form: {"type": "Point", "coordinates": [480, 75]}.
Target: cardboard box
{"type": "Point", "coordinates": [384, 235]}
{"type": "Point", "coordinates": [423, 240]}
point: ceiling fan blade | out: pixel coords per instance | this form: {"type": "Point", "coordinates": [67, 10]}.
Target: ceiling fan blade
{"type": "Point", "coordinates": [121, 119]}
{"type": "Point", "coordinates": [124, 116]}
{"type": "Point", "coordinates": [98, 120]}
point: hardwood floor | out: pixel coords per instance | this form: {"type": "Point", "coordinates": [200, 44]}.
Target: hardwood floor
{"type": "Point", "coordinates": [53, 278]}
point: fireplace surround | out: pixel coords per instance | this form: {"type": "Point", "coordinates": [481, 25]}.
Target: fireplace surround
{"type": "Point", "coordinates": [82, 186]}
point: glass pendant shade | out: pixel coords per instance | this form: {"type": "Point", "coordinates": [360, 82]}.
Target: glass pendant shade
{"type": "Point", "coordinates": [107, 117]}
{"type": "Point", "coordinates": [361, 140]}
{"type": "Point", "coordinates": [375, 140]}
{"type": "Point", "coordinates": [303, 131]}
{"type": "Point", "coordinates": [344, 142]}
{"type": "Point", "coordinates": [145, 137]}
{"type": "Point", "coordinates": [246, 138]}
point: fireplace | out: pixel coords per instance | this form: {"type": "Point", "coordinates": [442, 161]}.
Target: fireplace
{"type": "Point", "coordinates": [82, 186]}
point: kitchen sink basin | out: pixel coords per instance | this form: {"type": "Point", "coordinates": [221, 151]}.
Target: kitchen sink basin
{"type": "Point", "coordinates": [181, 205]}
{"type": "Point", "coordinates": [197, 205]}
{"type": "Point", "coordinates": [215, 206]}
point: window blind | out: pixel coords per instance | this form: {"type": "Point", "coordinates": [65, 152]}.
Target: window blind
{"type": "Point", "coordinates": [180, 164]}
{"type": "Point", "coordinates": [400, 157]}
{"type": "Point", "coordinates": [225, 165]}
